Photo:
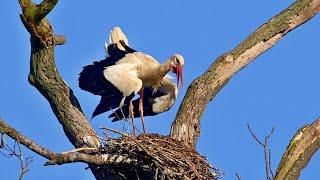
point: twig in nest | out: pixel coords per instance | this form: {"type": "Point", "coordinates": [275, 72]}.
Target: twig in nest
{"type": "Point", "coordinates": [123, 122]}
{"type": "Point", "coordinates": [126, 135]}
{"type": "Point", "coordinates": [266, 150]}
{"type": "Point", "coordinates": [79, 149]}
{"type": "Point", "coordinates": [123, 176]}
{"type": "Point", "coordinates": [129, 120]}
{"type": "Point", "coordinates": [115, 131]}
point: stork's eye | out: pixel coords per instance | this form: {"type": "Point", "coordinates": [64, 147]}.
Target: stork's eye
{"type": "Point", "coordinates": [176, 61]}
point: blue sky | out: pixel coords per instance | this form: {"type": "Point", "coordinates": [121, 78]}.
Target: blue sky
{"type": "Point", "coordinates": [279, 89]}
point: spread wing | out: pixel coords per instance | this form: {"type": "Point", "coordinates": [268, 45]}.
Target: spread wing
{"type": "Point", "coordinates": [93, 79]}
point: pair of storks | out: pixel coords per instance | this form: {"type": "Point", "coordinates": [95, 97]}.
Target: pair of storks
{"type": "Point", "coordinates": [125, 73]}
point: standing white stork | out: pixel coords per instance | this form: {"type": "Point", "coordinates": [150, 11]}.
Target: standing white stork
{"type": "Point", "coordinates": [126, 72]}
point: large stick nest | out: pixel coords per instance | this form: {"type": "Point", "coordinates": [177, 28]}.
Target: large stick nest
{"type": "Point", "coordinates": [158, 157]}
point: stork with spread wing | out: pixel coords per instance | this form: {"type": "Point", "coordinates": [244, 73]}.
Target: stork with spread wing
{"type": "Point", "coordinates": [125, 73]}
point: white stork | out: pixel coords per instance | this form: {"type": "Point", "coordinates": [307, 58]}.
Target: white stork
{"type": "Point", "coordinates": [125, 73]}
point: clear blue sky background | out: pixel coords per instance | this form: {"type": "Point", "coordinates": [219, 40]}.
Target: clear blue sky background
{"type": "Point", "coordinates": [281, 88]}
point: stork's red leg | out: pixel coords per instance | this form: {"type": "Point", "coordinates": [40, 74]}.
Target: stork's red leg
{"type": "Point", "coordinates": [141, 110]}
{"type": "Point", "coordinates": [131, 116]}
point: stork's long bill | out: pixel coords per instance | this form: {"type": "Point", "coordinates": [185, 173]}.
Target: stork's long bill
{"type": "Point", "coordinates": [179, 72]}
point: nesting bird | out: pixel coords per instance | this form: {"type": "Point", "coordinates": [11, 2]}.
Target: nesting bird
{"type": "Point", "coordinates": [125, 73]}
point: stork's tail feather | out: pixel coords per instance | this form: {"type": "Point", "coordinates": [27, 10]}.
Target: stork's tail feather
{"type": "Point", "coordinates": [116, 35]}
{"type": "Point", "coordinates": [118, 44]}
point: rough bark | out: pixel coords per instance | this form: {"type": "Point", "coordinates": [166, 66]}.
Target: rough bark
{"type": "Point", "coordinates": [299, 152]}
{"type": "Point", "coordinates": [186, 126]}
{"type": "Point", "coordinates": [45, 77]}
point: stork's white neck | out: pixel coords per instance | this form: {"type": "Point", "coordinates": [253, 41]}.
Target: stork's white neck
{"type": "Point", "coordinates": [157, 74]}
{"type": "Point", "coordinates": [164, 68]}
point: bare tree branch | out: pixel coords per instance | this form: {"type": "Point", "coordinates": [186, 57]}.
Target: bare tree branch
{"type": "Point", "coordinates": [44, 8]}
{"type": "Point", "coordinates": [59, 40]}
{"type": "Point", "coordinates": [6, 129]}
{"type": "Point", "coordinates": [67, 157]}
{"type": "Point", "coordinates": [254, 135]}
{"type": "Point", "coordinates": [266, 151]}
{"type": "Point", "coordinates": [186, 126]}
{"type": "Point", "coordinates": [26, 3]}
{"type": "Point", "coordinates": [299, 152]}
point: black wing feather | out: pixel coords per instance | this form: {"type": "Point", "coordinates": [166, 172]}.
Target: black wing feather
{"type": "Point", "coordinates": [91, 79]}
{"type": "Point", "coordinates": [110, 102]}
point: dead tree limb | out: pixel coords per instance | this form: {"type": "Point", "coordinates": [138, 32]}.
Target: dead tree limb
{"type": "Point", "coordinates": [63, 158]}
{"type": "Point", "coordinates": [300, 150]}
{"type": "Point", "coordinates": [186, 126]}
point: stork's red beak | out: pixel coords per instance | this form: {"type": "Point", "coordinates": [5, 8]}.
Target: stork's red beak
{"type": "Point", "coordinates": [179, 72]}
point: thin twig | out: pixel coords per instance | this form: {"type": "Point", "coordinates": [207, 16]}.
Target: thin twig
{"type": "Point", "coordinates": [266, 150]}
{"type": "Point", "coordinates": [124, 128]}
{"type": "Point", "coordinates": [267, 158]}
{"type": "Point", "coordinates": [133, 139]}
{"type": "Point", "coordinates": [126, 119]}
{"type": "Point", "coordinates": [17, 152]}
{"type": "Point", "coordinates": [2, 144]}
{"type": "Point", "coordinates": [272, 174]}
{"type": "Point", "coordinates": [238, 176]}
{"type": "Point", "coordinates": [254, 136]}
{"type": "Point", "coordinates": [115, 131]}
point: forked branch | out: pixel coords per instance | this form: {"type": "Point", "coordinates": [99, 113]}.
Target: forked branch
{"type": "Point", "coordinates": [44, 8]}
{"type": "Point", "coordinates": [266, 151]}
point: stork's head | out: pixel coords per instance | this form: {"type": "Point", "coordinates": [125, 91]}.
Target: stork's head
{"type": "Point", "coordinates": [176, 65]}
